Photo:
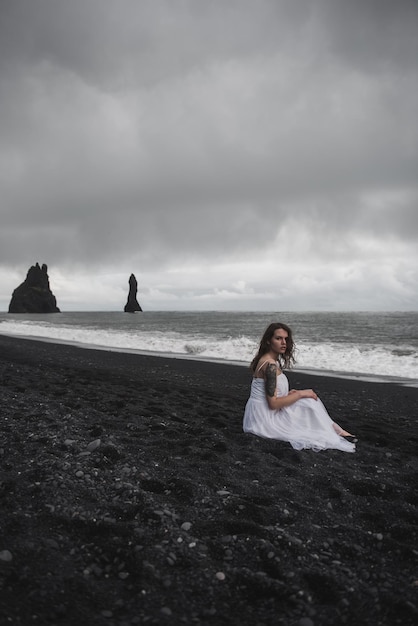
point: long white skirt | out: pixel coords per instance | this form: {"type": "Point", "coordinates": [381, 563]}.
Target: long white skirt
{"type": "Point", "coordinates": [304, 424]}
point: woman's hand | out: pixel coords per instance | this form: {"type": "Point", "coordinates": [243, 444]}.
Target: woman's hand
{"type": "Point", "coordinates": [308, 393]}
{"type": "Point", "coordinates": [304, 393]}
{"type": "Point", "coordinates": [279, 402]}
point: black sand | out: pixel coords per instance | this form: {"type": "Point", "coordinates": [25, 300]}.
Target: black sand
{"type": "Point", "coordinates": [130, 495]}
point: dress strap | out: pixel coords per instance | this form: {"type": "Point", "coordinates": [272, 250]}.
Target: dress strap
{"type": "Point", "coordinates": [262, 365]}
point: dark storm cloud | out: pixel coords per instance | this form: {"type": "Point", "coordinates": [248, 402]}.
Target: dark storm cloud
{"type": "Point", "coordinates": [130, 42]}
{"type": "Point", "coordinates": [371, 35]}
{"type": "Point", "coordinates": [204, 130]}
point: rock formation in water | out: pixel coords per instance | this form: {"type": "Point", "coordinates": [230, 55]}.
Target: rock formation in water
{"type": "Point", "coordinates": [34, 294]}
{"type": "Point", "coordinates": [132, 304]}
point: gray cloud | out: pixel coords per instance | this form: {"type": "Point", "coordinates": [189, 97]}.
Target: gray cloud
{"type": "Point", "coordinates": [371, 35]}
{"type": "Point", "coordinates": [161, 134]}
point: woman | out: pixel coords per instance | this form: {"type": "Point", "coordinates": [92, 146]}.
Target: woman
{"type": "Point", "coordinates": [274, 412]}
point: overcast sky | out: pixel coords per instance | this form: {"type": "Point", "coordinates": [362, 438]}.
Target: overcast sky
{"type": "Point", "coordinates": [232, 154]}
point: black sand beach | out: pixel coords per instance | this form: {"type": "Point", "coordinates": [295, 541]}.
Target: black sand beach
{"type": "Point", "coordinates": [130, 495]}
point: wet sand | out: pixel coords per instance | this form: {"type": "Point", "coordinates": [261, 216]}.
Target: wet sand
{"type": "Point", "coordinates": [130, 495]}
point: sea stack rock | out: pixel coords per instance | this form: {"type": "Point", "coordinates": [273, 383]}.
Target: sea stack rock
{"type": "Point", "coordinates": [132, 305]}
{"type": "Point", "coordinates": [34, 294]}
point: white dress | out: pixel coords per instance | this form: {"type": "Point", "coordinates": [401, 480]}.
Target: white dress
{"type": "Point", "coordinates": [304, 424]}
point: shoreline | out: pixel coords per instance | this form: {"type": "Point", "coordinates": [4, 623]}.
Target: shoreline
{"type": "Point", "coordinates": [358, 376]}
{"type": "Point", "coordinates": [130, 495]}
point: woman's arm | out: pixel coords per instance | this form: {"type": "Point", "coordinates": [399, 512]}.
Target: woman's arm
{"type": "Point", "coordinates": [274, 402]}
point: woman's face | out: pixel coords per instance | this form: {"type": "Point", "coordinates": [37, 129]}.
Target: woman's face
{"type": "Point", "coordinates": [278, 342]}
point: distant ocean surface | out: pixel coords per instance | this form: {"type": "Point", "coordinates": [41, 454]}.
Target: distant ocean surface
{"type": "Point", "coordinates": [368, 346]}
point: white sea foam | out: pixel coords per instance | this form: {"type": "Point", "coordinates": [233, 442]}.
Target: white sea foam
{"type": "Point", "coordinates": [400, 361]}
{"type": "Point", "coordinates": [161, 342]}
{"type": "Point", "coordinates": [368, 359]}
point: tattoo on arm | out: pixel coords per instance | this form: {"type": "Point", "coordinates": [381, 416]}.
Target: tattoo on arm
{"type": "Point", "coordinates": [271, 377]}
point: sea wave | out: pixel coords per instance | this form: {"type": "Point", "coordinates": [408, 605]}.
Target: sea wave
{"type": "Point", "coordinates": [349, 358]}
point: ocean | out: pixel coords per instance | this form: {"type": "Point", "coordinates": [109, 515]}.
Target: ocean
{"type": "Point", "coordinates": [367, 346]}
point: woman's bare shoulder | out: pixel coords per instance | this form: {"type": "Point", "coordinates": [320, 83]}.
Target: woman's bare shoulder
{"type": "Point", "coordinates": [263, 365]}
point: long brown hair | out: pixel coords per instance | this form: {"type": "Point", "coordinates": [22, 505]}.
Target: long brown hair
{"type": "Point", "coordinates": [287, 359]}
